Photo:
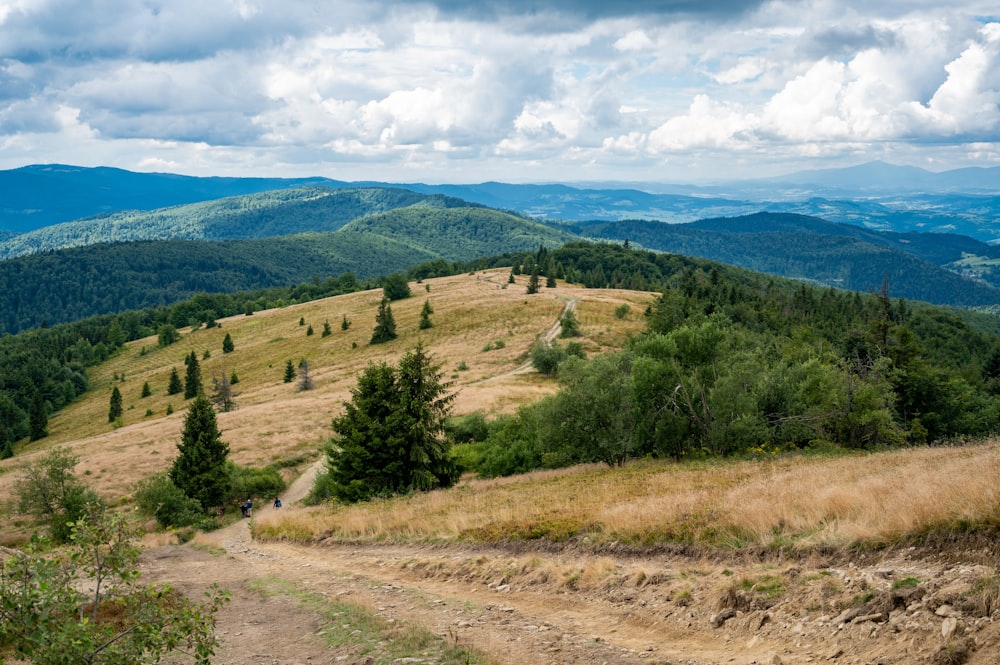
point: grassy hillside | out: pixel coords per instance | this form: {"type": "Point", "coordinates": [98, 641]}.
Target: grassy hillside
{"type": "Point", "coordinates": [273, 420]}
{"type": "Point", "coordinates": [763, 501]}
{"type": "Point", "coordinates": [764, 504]}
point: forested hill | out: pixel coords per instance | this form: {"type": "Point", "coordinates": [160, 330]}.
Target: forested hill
{"type": "Point", "coordinates": [261, 215]}
{"type": "Point", "coordinates": [44, 194]}
{"type": "Point", "coordinates": [69, 284]}
{"type": "Point", "coordinates": [810, 249]}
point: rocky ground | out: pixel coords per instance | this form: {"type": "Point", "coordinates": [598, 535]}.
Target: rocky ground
{"type": "Point", "coordinates": [523, 607]}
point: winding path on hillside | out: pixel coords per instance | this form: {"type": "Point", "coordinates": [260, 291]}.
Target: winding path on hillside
{"type": "Point", "coordinates": [548, 337]}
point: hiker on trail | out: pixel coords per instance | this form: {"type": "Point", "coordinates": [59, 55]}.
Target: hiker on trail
{"type": "Point", "coordinates": [277, 503]}
{"type": "Point", "coordinates": [243, 509]}
{"type": "Point", "coordinates": [248, 508]}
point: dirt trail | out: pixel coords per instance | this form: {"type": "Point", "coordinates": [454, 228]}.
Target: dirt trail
{"type": "Point", "coordinates": [548, 336]}
{"type": "Point", "coordinates": [526, 608]}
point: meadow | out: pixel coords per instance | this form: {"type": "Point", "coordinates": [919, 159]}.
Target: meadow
{"type": "Point", "coordinates": [276, 422]}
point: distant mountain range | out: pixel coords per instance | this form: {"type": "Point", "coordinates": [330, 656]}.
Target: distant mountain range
{"type": "Point", "coordinates": [874, 195]}
{"type": "Point", "coordinates": [305, 231]}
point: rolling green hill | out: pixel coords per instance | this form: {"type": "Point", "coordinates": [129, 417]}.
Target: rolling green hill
{"type": "Point", "coordinates": [262, 215]}
{"type": "Point", "coordinates": [69, 284]}
{"type": "Point", "coordinates": [813, 250]}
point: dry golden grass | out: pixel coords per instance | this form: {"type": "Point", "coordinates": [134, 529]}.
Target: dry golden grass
{"type": "Point", "coordinates": [802, 502]}
{"type": "Point", "coordinates": [274, 420]}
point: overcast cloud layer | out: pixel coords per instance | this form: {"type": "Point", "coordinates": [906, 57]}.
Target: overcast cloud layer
{"type": "Point", "coordinates": [522, 90]}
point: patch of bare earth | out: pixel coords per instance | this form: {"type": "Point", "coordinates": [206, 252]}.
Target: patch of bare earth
{"type": "Point", "coordinates": [571, 606]}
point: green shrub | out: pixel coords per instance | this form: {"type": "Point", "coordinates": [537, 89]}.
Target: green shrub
{"type": "Point", "coordinates": [546, 358]}
{"type": "Point", "coordinates": [468, 428]}
{"type": "Point", "coordinates": [159, 498]}
{"type": "Point", "coordinates": [248, 482]}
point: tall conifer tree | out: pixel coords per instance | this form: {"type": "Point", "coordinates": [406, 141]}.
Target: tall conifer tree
{"type": "Point", "coordinates": [38, 417]}
{"type": "Point", "coordinates": [175, 386]}
{"type": "Point", "coordinates": [192, 380]}
{"type": "Point", "coordinates": [115, 407]}
{"type": "Point", "coordinates": [385, 324]}
{"type": "Point", "coordinates": [200, 468]}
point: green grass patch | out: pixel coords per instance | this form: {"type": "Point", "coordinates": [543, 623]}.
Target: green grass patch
{"type": "Point", "coordinates": [906, 583]}
{"type": "Point", "coordinates": [364, 634]}
{"type": "Point", "coordinates": [765, 586]}
{"type": "Point", "coordinates": [214, 550]}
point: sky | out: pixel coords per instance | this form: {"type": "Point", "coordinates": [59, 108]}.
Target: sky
{"type": "Point", "coordinates": [511, 90]}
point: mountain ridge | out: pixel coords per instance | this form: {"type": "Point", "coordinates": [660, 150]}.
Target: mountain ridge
{"type": "Point", "coordinates": [964, 200]}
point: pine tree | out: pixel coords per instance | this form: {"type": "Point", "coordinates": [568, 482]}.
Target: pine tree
{"type": "Point", "coordinates": [115, 408]}
{"type": "Point", "coordinates": [227, 344]}
{"type": "Point", "coordinates": [326, 329]}
{"type": "Point", "coordinates": [289, 372]}
{"type": "Point", "coordinates": [533, 281]}
{"type": "Point", "coordinates": [425, 316]}
{"type": "Point", "coordinates": [200, 469]}
{"type": "Point", "coordinates": [345, 323]}
{"type": "Point", "coordinates": [385, 324]}
{"type": "Point", "coordinates": [175, 386]}
{"type": "Point", "coordinates": [233, 379]}
{"type": "Point", "coordinates": [390, 437]}
{"type": "Point", "coordinates": [309, 331]}
{"type": "Point", "coordinates": [146, 390]}
{"type": "Point", "coordinates": [192, 380]}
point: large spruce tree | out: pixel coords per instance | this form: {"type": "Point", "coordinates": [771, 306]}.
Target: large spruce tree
{"type": "Point", "coordinates": [390, 437]}
{"type": "Point", "coordinates": [200, 468]}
